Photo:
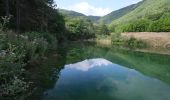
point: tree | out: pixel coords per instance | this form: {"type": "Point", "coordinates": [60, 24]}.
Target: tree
{"type": "Point", "coordinates": [7, 7]}
{"type": "Point", "coordinates": [33, 15]}
{"type": "Point", "coordinates": [161, 25]}
{"type": "Point", "coordinates": [102, 29]}
{"type": "Point", "coordinates": [18, 16]}
{"type": "Point", "coordinates": [135, 26]}
{"type": "Point", "coordinates": [79, 28]}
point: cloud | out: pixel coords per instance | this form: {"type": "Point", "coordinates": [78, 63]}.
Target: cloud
{"type": "Point", "coordinates": [89, 64]}
{"type": "Point", "coordinates": [87, 9]}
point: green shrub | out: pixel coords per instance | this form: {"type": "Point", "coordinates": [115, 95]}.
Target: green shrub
{"type": "Point", "coordinates": [134, 26]}
{"type": "Point", "coordinates": [117, 39]}
{"type": "Point", "coordinates": [131, 43]}
{"type": "Point", "coordinates": [50, 39]}
{"type": "Point", "coordinates": [11, 69]}
{"type": "Point", "coordinates": [161, 25]}
{"type": "Point", "coordinates": [134, 43]}
{"type": "Point", "coordinates": [15, 52]}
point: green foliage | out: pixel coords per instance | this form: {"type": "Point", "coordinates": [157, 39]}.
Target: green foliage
{"type": "Point", "coordinates": [73, 14]}
{"type": "Point", "coordinates": [49, 38]}
{"type": "Point", "coordinates": [161, 25]}
{"type": "Point", "coordinates": [33, 15]}
{"type": "Point", "coordinates": [79, 29]}
{"type": "Point", "coordinates": [4, 22]}
{"type": "Point", "coordinates": [14, 88]}
{"type": "Point", "coordinates": [103, 37]}
{"type": "Point", "coordinates": [136, 26]}
{"type": "Point", "coordinates": [93, 18]}
{"type": "Point", "coordinates": [70, 13]}
{"type": "Point", "coordinates": [146, 25]}
{"type": "Point", "coordinates": [118, 13]}
{"type": "Point", "coordinates": [15, 52]}
{"type": "Point", "coordinates": [145, 9]}
{"type": "Point", "coordinates": [117, 39]}
{"type": "Point", "coordinates": [11, 67]}
{"type": "Point", "coordinates": [131, 43]}
{"type": "Point", "coordinates": [151, 10]}
{"type": "Point", "coordinates": [56, 25]}
{"type": "Point", "coordinates": [101, 29]}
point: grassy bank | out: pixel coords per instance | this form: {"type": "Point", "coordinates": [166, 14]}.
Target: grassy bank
{"type": "Point", "coordinates": [142, 42]}
{"type": "Point", "coordinates": [153, 39]}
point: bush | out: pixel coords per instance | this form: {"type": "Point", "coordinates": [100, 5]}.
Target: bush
{"type": "Point", "coordinates": [11, 69]}
{"type": "Point", "coordinates": [52, 41]}
{"type": "Point", "coordinates": [15, 52]}
{"type": "Point", "coordinates": [131, 43]}
{"type": "Point", "coordinates": [78, 28]}
{"type": "Point", "coordinates": [117, 39]}
{"type": "Point", "coordinates": [161, 25]}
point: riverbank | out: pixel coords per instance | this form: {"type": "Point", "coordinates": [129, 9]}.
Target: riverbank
{"type": "Point", "coordinates": [156, 41]}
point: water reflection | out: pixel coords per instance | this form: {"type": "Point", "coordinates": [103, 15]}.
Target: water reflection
{"type": "Point", "coordinates": [100, 79]}
{"type": "Point", "coordinates": [89, 64]}
{"type": "Point", "coordinates": [125, 75]}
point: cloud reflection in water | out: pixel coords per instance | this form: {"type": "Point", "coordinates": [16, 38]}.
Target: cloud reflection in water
{"type": "Point", "coordinates": [89, 64]}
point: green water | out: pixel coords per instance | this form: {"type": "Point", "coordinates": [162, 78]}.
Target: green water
{"type": "Point", "coordinates": [86, 71]}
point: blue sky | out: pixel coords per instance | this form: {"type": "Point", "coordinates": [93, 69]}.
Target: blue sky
{"type": "Point", "coordinates": [94, 7]}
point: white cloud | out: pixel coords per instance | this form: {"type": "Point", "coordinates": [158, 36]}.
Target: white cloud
{"type": "Point", "coordinates": [89, 64]}
{"type": "Point", "coordinates": [88, 9]}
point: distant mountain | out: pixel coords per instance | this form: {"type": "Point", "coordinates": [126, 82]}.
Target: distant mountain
{"type": "Point", "coordinates": [143, 9]}
{"type": "Point", "coordinates": [93, 18]}
{"type": "Point", "coordinates": [147, 9]}
{"type": "Point", "coordinates": [69, 13]}
{"type": "Point", "coordinates": [118, 13]}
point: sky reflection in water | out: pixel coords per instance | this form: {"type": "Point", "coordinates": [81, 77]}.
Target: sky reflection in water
{"type": "Point", "coordinates": [100, 79]}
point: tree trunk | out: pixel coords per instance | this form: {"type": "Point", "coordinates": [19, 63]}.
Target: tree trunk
{"type": "Point", "coordinates": [7, 7]}
{"type": "Point", "coordinates": [18, 16]}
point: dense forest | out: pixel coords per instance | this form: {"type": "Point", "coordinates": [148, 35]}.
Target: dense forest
{"type": "Point", "coordinates": [159, 23]}
{"type": "Point", "coordinates": [32, 15]}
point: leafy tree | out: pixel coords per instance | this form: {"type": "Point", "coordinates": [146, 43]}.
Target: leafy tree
{"type": "Point", "coordinates": [161, 25]}
{"type": "Point", "coordinates": [79, 28]}
{"type": "Point", "coordinates": [102, 29]}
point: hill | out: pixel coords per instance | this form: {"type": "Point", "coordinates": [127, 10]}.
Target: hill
{"type": "Point", "coordinates": [118, 13]}
{"type": "Point", "coordinates": [69, 13]}
{"type": "Point", "coordinates": [93, 18]}
{"type": "Point", "coordinates": [151, 9]}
